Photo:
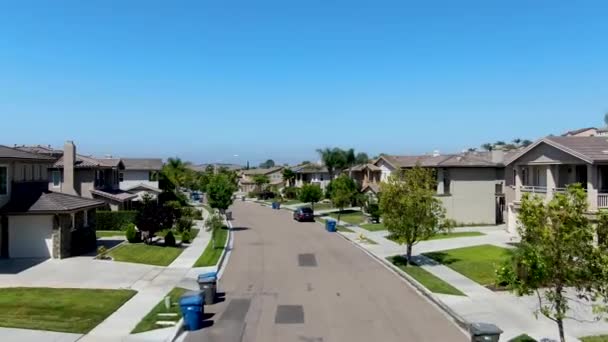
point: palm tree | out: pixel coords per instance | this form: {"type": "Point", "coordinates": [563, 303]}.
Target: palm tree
{"type": "Point", "coordinates": [175, 173]}
{"type": "Point", "coordinates": [487, 146]}
{"type": "Point", "coordinates": [334, 159]}
{"type": "Point", "coordinates": [289, 176]}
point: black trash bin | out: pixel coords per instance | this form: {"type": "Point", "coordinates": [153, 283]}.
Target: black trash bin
{"type": "Point", "coordinates": [207, 282]}
{"type": "Point", "coordinates": [484, 332]}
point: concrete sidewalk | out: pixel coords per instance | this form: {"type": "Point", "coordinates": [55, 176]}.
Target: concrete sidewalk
{"type": "Point", "coordinates": [28, 335]}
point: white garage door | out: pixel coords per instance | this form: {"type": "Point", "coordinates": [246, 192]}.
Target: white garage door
{"type": "Point", "coordinates": [30, 236]}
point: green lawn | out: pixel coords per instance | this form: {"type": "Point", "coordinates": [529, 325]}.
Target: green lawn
{"type": "Point", "coordinates": [211, 255]}
{"type": "Point", "coordinates": [339, 228]}
{"type": "Point", "coordinates": [450, 235]}
{"type": "Point", "coordinates": [425, 278]}
{"type": "Point", "coordinates": [322, 206]}
{"type": "Point", "coordinates": [350, 216]}
{"type": "Point", "coordinates": [477, 263]}
{"type": "Point", "coordinates": [107, 233]}
{"type": "Point", "coordinates": [599, 338]}
{"type": "Point", "coordinates": [65, 310]}
{"type": "Point", "coordinates": [149, 321]}
{"type": "Point", "coordinates": [291, 202]}
{"type": "Point", "coordinates": [145, 254]}
{"type": "Point", "coordinates": [372, 227]}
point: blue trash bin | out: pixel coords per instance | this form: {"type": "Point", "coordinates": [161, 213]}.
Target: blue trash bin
{"type": "Point", "coordinates": [278, 206]}
{"type": "Point", "coordinates": [191, 305]}
{"type": "Point", "coordinates": [274, 205]}
{"type": "Point", "coordinates": [207, 283]}
{"type": "Point", "coordinates": [330, 225]}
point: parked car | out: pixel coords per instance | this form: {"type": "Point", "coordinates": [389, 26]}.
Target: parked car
{"type": "Point", "coordinates": [304, 214]}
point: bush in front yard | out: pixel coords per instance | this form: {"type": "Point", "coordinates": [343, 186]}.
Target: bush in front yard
{"type": "Point", "coordinates": [290, 193]}
{"type": "Point", "coordinates": [114, 220]}
{"type": "Point", "coordinates": [186, 237]}
{"type": "Point", "coordinates": [131, 234]}
{"type": "Point", "coordinates": [183, 224]}
{"type": "Point", "coordinates": [192, 213]}
{"type": "Point", "coordinates": [169, 239]}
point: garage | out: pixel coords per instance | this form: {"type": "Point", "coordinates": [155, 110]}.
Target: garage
{"type": "Point", "coordinates": [30, 236]}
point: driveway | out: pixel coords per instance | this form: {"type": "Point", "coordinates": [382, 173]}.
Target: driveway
{"type": "Point", "coordinates": [76, 272]}
{"type": "Point", "coordinates": [289, 281]}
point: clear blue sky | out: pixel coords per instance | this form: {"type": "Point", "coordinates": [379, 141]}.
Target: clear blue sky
{"type": "Point", "coordinates": [277, 79]}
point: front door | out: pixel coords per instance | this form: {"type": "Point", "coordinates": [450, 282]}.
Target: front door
{"type": "Point", "coordinates": [581, 175]}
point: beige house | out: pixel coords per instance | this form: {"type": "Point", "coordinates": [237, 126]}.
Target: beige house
{"type": "Point", "coordinates": [90, 177]}
{"type": "Point", "coordinates": [311, 174]}
{"type": "Point", "coordinates": [246, 179]}
{"type": "Point", "coordinates": [35, 222]}
{"type": "Point", "coordinates": [470, 185]}
{"type": "Point", "coordinates": [587, 132]}
{"type": "Point", "coordinates": [550, 164]}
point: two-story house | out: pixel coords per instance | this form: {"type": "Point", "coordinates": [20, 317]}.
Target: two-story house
{"type": "Point", "coordinates": [550, 164]}
{"type": "Point", "coordinates": [140, 176]}
{"type": "Point", "coordinates": [469, 185]}
{"type": "Point", "coordinates": [311, 174]}
{"type": "Point", "coordinates": [35, 222]}
{"type": "Point", "coordinates": [90, 178]}
{"type": "Point", "coordinates": [274, 174]}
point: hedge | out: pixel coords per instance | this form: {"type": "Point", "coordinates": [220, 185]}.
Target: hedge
{"type": "Point", "coordinates": [115, 220]}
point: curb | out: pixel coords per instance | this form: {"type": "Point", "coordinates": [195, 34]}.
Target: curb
{"type": "Point", "coordinates": [459, 320]}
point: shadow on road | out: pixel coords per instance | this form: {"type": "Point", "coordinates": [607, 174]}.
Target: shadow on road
{"type": "Point", "coordinates": [238, 229]}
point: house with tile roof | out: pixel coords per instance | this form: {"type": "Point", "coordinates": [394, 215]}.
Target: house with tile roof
{"type": "Point", "coordinates": [35, 222]}
{"type": "Point", "coordinates": [140, 177]}
{"type": "Point", "coordinates": [470, 184]}
{"type": "Point", "coordinates": [550, 164]}
{"type": "Point", "coordinates": [311, 173]}
{"type": "Point", "coordinates": [88, 177]}
{"type": "Point", "coordinates": [246, 178]}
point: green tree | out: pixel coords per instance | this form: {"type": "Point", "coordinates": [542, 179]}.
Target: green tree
{"type": "Point", "coordinates": [153, 217]}
{"type": "Point", "coordinates": [487, 146]}
{"type": "Point", "coordinates": [333, 159]}
{"type": "Point", "coordinates": [310, 193]}
{"type": "Point", "coordinates": [343, 192]}
{"type": "Point", "coordinates": [409, 209]}
{"type": "Point", "coordinates": [174, 174]}
{"type": "Point", "coordinates": [289, 176]}
{"type": "Point", "coordinates": [361, 158]}
{"type": "Point", "coordinates": [499, 143]}
{"type": "Point", "coordinates": [220, 190]}
{"type": "Point", "coordinates": [212, 225]}
{"type": "Point", "coordinates": [557, 251]}
{"type": "Point", "coordinates": [267, 164]}
{"type": "Point", "coordinates": [516, 141]}
{"type": "Point", "coordinates": [526, 143]}
{"type": "Point", "coordinates": [260, 181]}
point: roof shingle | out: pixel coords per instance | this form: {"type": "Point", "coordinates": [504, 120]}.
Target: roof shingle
{"type": "Point", "coordinates": [13, 153]}
{"type": "Point", "coordinates": [152, 164]}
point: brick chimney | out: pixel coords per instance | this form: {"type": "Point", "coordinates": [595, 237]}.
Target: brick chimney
{"type": "Point", "coordinates": [69, 159]}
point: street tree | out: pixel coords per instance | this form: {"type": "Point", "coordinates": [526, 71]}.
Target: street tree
{"type": "Point", "coordinates": [310, 193]}
{"type": "Point", "coordinates": [410, 211]}
{"type": "Point", "coordinates": [212, 225]}
{"type": "Point", "coordinates": [343, 192]}
{"type": "Point", "coordinates": [557, 259]}
{"type": "Point", "coordinates": [220, 190]}
{"type": "Point", "coordinates": [261, 181]}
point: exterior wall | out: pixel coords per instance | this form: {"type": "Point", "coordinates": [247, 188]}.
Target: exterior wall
{"type": "Point", "coordinates": [276, 177]}
{"type": "Point", "coordinates": [385, 170]}
{"type": "Point", "coordinates": [472, 197]}
{"type": "Point", "coordinates": [319, 178]}
{"type": "Point", "coordinates": [545, 154]}
{"type": "Point", "coordinates": [22, 172]}
{"type": "Point", "coordinates": [84, 180]}
{"type": "Point", "coordinates": [133, 178]}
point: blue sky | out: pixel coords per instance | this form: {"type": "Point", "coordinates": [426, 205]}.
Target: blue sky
{"type": "Point", "coordinates": [278, 79]}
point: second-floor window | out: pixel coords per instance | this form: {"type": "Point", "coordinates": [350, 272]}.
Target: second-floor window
{"type": "Point", "coordinates": [56, 175]}
{"type": "Point", "coordinates": [3, 180]}
{"type": "Point", "coordinates": [121, 176]}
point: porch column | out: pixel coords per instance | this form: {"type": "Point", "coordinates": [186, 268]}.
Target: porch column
{"type": "Point", "coordinates": [550, 182]}
{"type": "Point", "coordinates": [518, 170]}
{"type": "Point", "coordinates": [592, 187]}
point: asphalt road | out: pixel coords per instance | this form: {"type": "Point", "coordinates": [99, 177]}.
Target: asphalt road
{"type": "Point", "coordinates": [290, 281]}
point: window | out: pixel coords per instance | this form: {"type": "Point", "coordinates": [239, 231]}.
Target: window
{"type": "Point", "coordinates": [121, 176]}
{"type": "Point", "coordinates": [3, 180]}
{"type": "Point", "coordinates": [56, 178]}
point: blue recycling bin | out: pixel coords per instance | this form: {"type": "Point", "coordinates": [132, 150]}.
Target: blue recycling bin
{"type": "Point", "coordinates": [207, 283]}
{"type": "Point", "coordinates": [277, 205]}
{"type": "Point", "coordinates": [274, 205]}
{"type": "Point", "coordinates": [330, 225]}
{"type": "Point", "coordinates": [191, 305]}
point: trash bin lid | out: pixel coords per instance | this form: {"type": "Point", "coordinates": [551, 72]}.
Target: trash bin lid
{"type": "Point", "coordinates": [207, 275]}
{"type": "Point", "coordinates": [193, 298]}
{"type": "Point", "coordinates": [478, 329]}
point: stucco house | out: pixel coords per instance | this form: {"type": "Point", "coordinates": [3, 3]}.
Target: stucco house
{"type": "Point", "coordinates": [470, 185]}
{"type": "Point", "coordinates": [140, 176]}
{"type": "Point", "coordinates": [89, 177]}
{"type": "Point", "coordinates": [311, 174]}
{"type": "Point", "coordinates": [550, 164]}
{"type": "Point", "coordinates": [35, 222]}
{"type": "Point", "coordinates": [274, 174]}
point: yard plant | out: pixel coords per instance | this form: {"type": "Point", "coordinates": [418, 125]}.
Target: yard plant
{"type": "Point", "coordinates": [310, 193]}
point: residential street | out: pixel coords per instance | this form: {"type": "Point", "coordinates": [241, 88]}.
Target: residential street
{"type": "Point", "coordinates": [290, 281]}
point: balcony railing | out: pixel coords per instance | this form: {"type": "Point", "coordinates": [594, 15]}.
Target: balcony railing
{"type": "Point", "coordinates": [602, 200]}
{"type": "Point", "coordinates": [534, 189]}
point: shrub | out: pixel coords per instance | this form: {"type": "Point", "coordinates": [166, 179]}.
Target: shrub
{"type": "Point", "coordinates": [169, 239]}
{"type": "Point", "coordinates": [290, 193]}
{"type": "Point", "coordinates": [132, 234]}
{"type": "Point", "coordinates": [192, 213]}
{"type": "Point", "coordinates": [114, 220]}
{"type": "Point", "coordinates": [373, 210]}
{"type": "Point", "coordinates": [253, 194]}
{"type": "Point", "coordinates": [183, 224]}
{"type": "Point", "coordinates": [101, 251]}
{"type": "Point", "coordinates": [186, 236]}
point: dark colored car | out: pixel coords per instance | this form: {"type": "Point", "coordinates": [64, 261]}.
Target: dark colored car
{"type": "Point", "coordinates": [303, 214]}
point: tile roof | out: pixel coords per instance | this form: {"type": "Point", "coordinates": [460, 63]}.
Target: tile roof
{"type": "Point", "coordinates": [252, 172]}
{"type": "Point", "coordinates": [309, 168]}
{"type": "Point", "coordinates": [362, 167]}
{"type": "Point", "coordinates": [115, 195]}
{"type": "Point", "coordinates": [83, 162]}
{"type": "Point", "coordinates": [153, 164]}
{"type": "Point", "coordinates": [35, 199]}
{"type": "Point", "coordinates": [466, 159]}
{"type": "Point", "coordinates": [577, 131]}
{"type": "Point", "coordinates": [13, 153]}
{"type": "Point", "coordinates": [40, 149]}
{"type": "Point", "coordinates": [144, 186]}
{"type": "Point", "coordinates": [588, 149]}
